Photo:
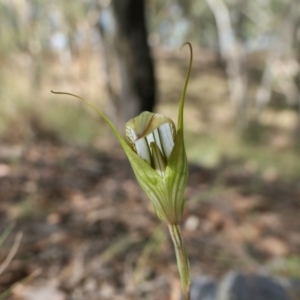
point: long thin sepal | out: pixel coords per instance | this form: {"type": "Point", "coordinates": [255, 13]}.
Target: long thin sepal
{"type": "Point", "coordinates": [147, 177]}
{"type": "Point", "coordinates": [106, 119]}
{"type": "Point", "coordinates": [182, 99]}
{"type": "Point", "coordinates": [176, 174]}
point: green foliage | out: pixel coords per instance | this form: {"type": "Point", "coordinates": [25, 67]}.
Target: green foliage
{"type": "Point", "coordinates": [288, 267]}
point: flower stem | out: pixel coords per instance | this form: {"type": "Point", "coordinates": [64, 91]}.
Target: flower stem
{"type": "Point", "coordinates": [182, 259]}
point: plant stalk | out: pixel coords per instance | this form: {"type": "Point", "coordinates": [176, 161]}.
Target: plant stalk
{"type": "Point", "coordinates": [182, 259]}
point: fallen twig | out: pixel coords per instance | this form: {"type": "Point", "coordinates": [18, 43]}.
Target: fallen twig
{"type": "Point", "coordinates": [12, 252]}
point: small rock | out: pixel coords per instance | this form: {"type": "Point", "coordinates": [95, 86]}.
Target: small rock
{"type": "Point", "coordinates": [292, 286]}
{"type": "Point", "coordinates": [238, 286]}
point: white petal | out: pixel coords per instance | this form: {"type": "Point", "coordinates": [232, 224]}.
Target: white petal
{"type": "Point", "coordinates": [143, 150]}
{"type": "Point", "coordinates": [157, 139]}
{"type": "Point", "coordinates": [150, 138]}
{"type": "Point", "coordinates": [167, 138]}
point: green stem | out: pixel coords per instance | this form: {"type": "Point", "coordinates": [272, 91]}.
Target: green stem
{"type": "Point", "coordinates": [182, 259]}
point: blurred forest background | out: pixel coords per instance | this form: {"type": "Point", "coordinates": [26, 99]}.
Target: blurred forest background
{"type": "Point", "coordinates": [69, 204]}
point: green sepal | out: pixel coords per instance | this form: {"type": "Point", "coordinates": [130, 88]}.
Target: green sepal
{"type": "Point", "coordinates": [147, 177]}
{"type": "Point", "coordinates": [182, 99]}
{"type": "Point", "coordinates": [175, 179]}
{"type": "Point", "coordinates": [176, 173]}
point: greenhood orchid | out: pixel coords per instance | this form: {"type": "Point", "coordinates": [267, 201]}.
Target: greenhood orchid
{"type": "Point", "coordinates": [156, 151]}
{"type": "Point", "coordinates": [157, 155]}
{"type": "Point", "coordinates": [154, 139]}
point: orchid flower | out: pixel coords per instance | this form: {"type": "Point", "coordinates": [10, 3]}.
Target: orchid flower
{"type": "Point", "coordinates": [156, 152]}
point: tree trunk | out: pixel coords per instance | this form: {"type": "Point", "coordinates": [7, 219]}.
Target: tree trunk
{"type": "Point", "coordinates": [233, 54]}
{"type": "Point", "coordinates": [134, 58]}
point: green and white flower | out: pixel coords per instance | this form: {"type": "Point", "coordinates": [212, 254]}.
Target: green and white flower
{"type": "Point", "coordinates": [156, 151]}
{"type": "Point", "coordinates": [153, 137]}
